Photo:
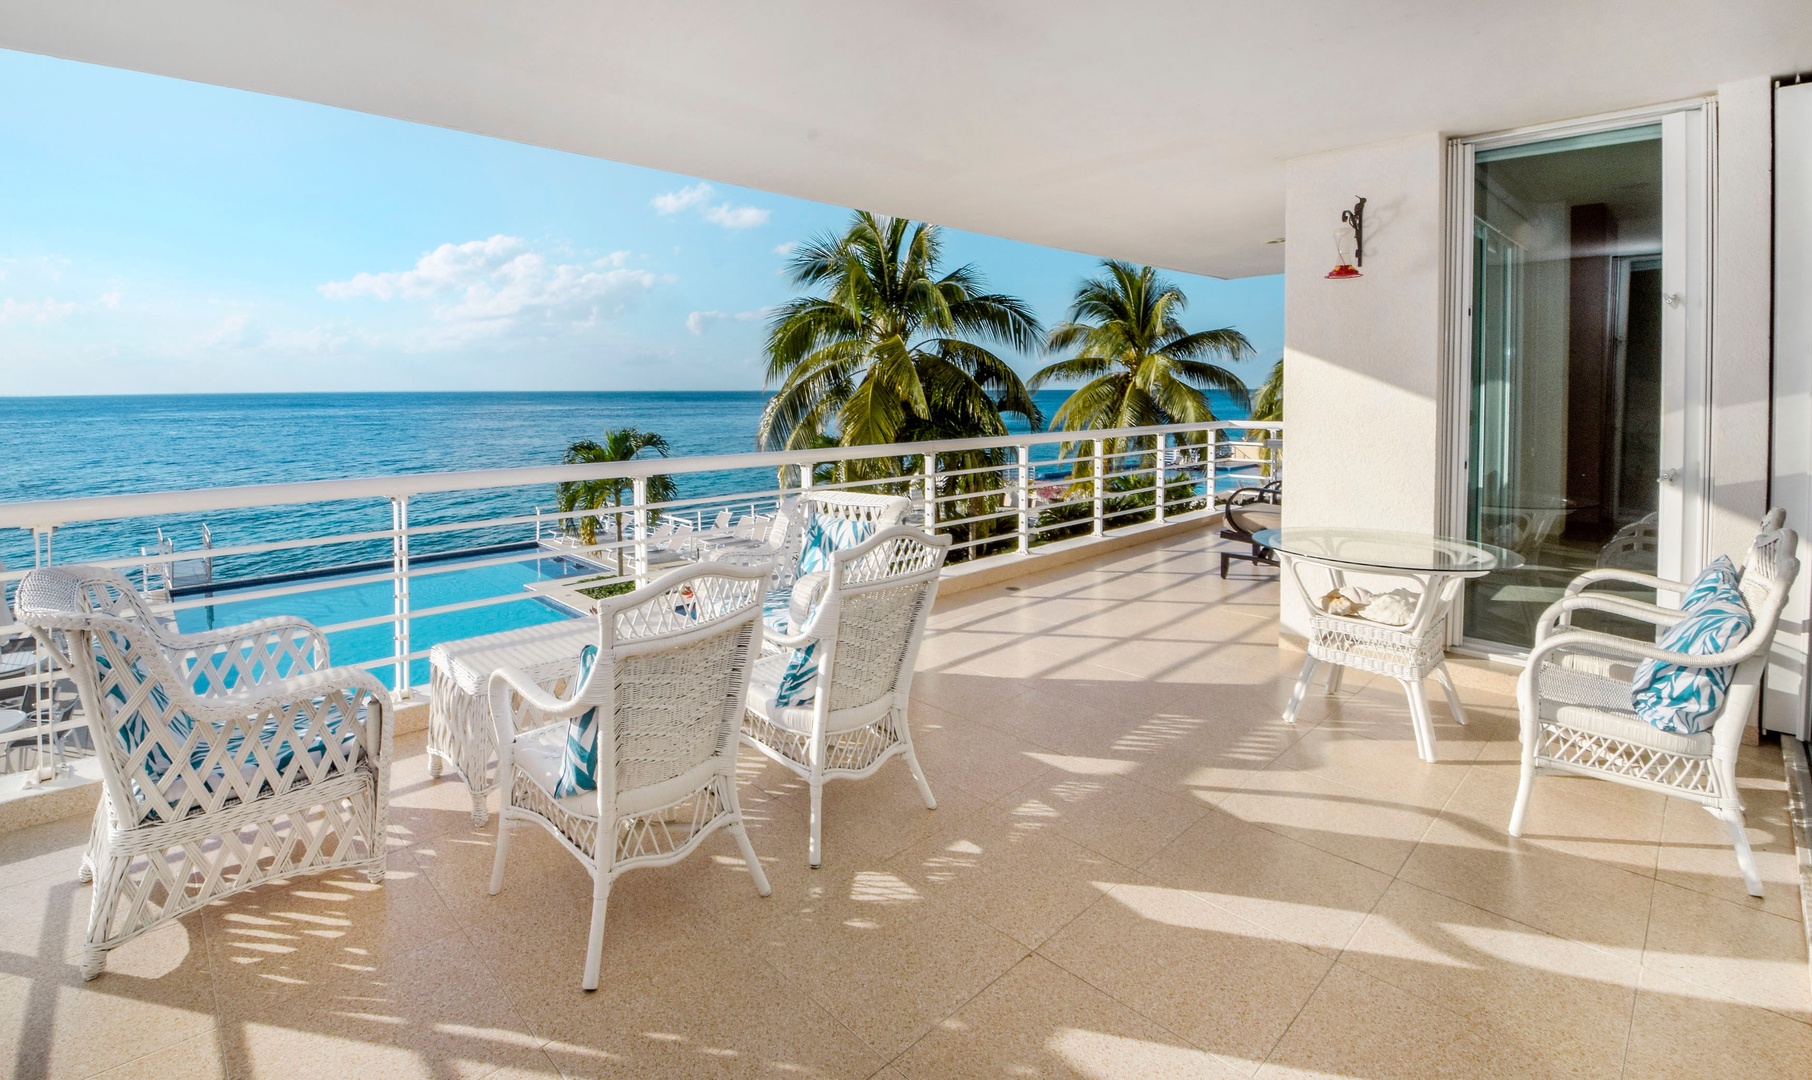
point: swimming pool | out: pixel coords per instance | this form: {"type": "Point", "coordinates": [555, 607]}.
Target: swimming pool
{"type": "Point", "coordinates": [325, 607]}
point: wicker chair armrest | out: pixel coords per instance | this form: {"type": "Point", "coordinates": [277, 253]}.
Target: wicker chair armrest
{"type": "Point", "coordinates": [792, 641]}
{"type": "Point", "coordinates": [507, 681]}
{"type": "Point", "coordinates": [1622, 648]}
{"type": "Point", "coordinates": [1559, 615]}
{"type": "Point", "coordinates": [283, 700]}
{"type": "Point", "coordinates": [256, 630]}
{"type": "Point", "coordinates": [253, 650]}
{"type": "Point", "coordinates": [1629, 577]}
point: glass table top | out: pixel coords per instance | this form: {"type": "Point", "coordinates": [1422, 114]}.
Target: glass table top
{"type": "Point", "coordinates": [1385, 550]}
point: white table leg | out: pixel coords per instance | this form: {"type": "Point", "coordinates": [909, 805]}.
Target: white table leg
{"type": "Point", "coordinates": [1309, 664]}
{"type": "Point", "coordinates": [1419, 718]}
{"type": "Point", "coordinates": [1445, 678]}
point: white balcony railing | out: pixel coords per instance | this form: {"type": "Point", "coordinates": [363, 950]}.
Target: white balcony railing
{"type": "Point", "coordinates": [998, 497]}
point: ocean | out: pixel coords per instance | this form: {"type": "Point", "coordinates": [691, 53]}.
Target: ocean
{"type": "Point", "coordinates": [72, 446]}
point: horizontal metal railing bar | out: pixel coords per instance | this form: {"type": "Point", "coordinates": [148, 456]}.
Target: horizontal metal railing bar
{"type": "Point", "coordinates": [443, 609]}
{"type": "Point", "coordinates": [48, 513]}
{"type": "Point", "coordinates": [993, 515]}
{"type": "Point", "coordinates": [458, 556]}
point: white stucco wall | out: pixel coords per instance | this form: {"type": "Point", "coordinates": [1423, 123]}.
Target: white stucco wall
{"type": "Point", "coordinates": [1362, 357]}
{"type": "Point", "coordinates": [1742, 279]}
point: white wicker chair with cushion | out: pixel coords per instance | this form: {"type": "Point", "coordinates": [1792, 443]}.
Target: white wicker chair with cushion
{"type": "Point", "coordinates": [860, 642]}
{"type": "Point", "coordinates": [1575, 695]}
{"type": "Point", "coordinates": [637, 764]}
{"type": "Point", "coordinates": [794, 518]}
{"type": "Point", "coordinates": [229, 758]}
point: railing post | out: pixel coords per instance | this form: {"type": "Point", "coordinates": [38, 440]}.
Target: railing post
{"type": "Point", "coordinates": [399, 569]}
{"type": "Point", "coordinates": [1100, 465]}
{"type": "Point", "coordinates": [928, 480]}
{"type": "Point", "coordinates": [1025, 499]}
{"type": "Point", "coordinates": [638, 520]}
{"type": "Point", "coordinates": [1211, 472]}
{"type": "Point", "coordinates": [1159, 444]}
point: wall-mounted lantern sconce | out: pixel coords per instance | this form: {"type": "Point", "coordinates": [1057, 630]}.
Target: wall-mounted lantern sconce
{"type": "Point", "coordinates": [1349, 242]}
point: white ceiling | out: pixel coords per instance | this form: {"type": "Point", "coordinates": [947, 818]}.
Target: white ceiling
{"type": "Point", "coordinates": [1154, 131]}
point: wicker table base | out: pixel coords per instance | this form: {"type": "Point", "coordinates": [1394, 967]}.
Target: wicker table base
{"type": "Point", "coordinates": [460, 731]}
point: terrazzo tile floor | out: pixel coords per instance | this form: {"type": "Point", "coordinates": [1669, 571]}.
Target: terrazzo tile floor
{"type": "Point", "coordinates": [1135, 869]}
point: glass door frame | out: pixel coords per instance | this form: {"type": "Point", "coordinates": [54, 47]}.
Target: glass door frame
{"type": "Point", "coordinates": [1689, 141]}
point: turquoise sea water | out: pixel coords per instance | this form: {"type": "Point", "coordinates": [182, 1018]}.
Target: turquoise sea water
{"type": "Point", "coordinates": [77, 446]}
{"type": "Point", "coordinates": [72, 446]}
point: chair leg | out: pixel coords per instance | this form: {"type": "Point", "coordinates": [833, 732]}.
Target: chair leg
{"type": "Point", "coordinates": [1525, 787]}
{"type": "Point", "coordinates": [94, 961]}
{"type": "Point", "coordinates": [737, 830]}
{"type": "Point", "coordinates": [1309, 664]}
{"type": "Point", "coordinates": [912, 759]}
{"type": "Point", "coordinates": [1225, 559]}
{"type": "Point", "coordinates": [815, 853]}
{"type": "Point", "coordinates": [1739, 839]}
{"type": "Point", "coordinates": [481, 810]}
{"type": "Point", "coordinates": [594, 945]}
{"type": "Point", "coordinates": [503, 851]}
{"type": "Point", "coordinates": [1335, 673]}
{"type": "Point", "coordinates": [762, 888]}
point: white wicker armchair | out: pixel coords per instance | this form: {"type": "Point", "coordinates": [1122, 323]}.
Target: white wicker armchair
{"type": "Point", "coordinates": [866, 631]}
{"type": "Point", "coordinates": [229, 758]}
{"type": "Point", "coordinates": [1574, 695]}
{"type": "Point", "coordinates": [667, 685]}
{"type": "Point", "coordinates": [787, 534]}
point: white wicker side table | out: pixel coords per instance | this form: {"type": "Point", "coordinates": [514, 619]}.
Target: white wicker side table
{"type": "Point", "coordinates": [1433, 566]}
{"type": "Point", "coordinates": [460, 732]}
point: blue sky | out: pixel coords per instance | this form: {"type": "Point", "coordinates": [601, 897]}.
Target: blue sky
{"type": "Point", "coordinates": [158, 236]}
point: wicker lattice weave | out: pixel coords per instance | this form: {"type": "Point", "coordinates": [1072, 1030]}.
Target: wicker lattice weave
{"type": "Point", "coordinates": [1376, 648]}
{"type": "Point", "coordinates": [230, 758]}
{"type": "Point", "coordinates": [666, 689]}
{"type": "Point", "coordinates": [460, 731]}
{"type": "Point", "coordinates": [865, 635]}
{"type": "Point", "coordinates": [1575, 695]}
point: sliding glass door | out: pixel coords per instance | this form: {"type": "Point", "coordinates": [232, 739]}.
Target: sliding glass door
{"type": "Point", "coordinates": [1579, 394]}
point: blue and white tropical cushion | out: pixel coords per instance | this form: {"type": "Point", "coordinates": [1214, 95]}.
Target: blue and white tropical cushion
{"type": "Point", "coordinates": [783, 611]}
{"type": "Point", "coordinates": [579, 763]}
{"type": "Point", "coordinates": [1716, 583]}
{"type": "Point", "coordinates": [774, 610]}
{"type": "Point", "coordinates": [788, 679]}
{"type": "Point", "coordinates": [826, 534]}
{"type": "Point", "coordinates": [1683, 700]}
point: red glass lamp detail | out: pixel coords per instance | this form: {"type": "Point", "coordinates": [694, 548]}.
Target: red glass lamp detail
{"type": "Point", "coordinates": [1349, 243]}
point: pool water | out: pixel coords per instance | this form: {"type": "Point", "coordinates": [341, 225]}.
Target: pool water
{"type": "Point", "coordinates": [325, 607]}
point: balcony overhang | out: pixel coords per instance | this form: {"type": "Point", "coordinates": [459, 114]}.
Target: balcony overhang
{"type": "Point", "coordinates": [1157, 134]}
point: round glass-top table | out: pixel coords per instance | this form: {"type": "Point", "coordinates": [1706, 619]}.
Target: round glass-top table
{"type": "Point", "coordinates": [1406, 637]}
{"type": "Point", "coordinates": [1383, 550]}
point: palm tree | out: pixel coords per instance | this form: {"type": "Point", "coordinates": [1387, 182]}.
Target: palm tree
{"type": "Point", "coordinates": [894, 350]}
{"type": "Point", "coordinates": [1267, 404]}
{"type": "Point", "coordinates": [1142, 367]}
{"type": "Point", "coordinates": [620, 444]}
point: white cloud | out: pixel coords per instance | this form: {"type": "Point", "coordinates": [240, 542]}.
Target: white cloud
{"type": "Point", "coordinates": [230, 332]}
{"type": "Point", "coordinates": [499, 287]}
{"type": "Point", "coordinates": [787, 248]}
{"type": "Point", "coordinates": [697, 321]}
{"type": "Point", "coordinates": [47, 310]}
{"type": "Point", "coordinates": [736, 217]}
{"type": "Point", "coordinates": [698, 196]}
{"type": "Point", "coordinates": [675, 201]}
